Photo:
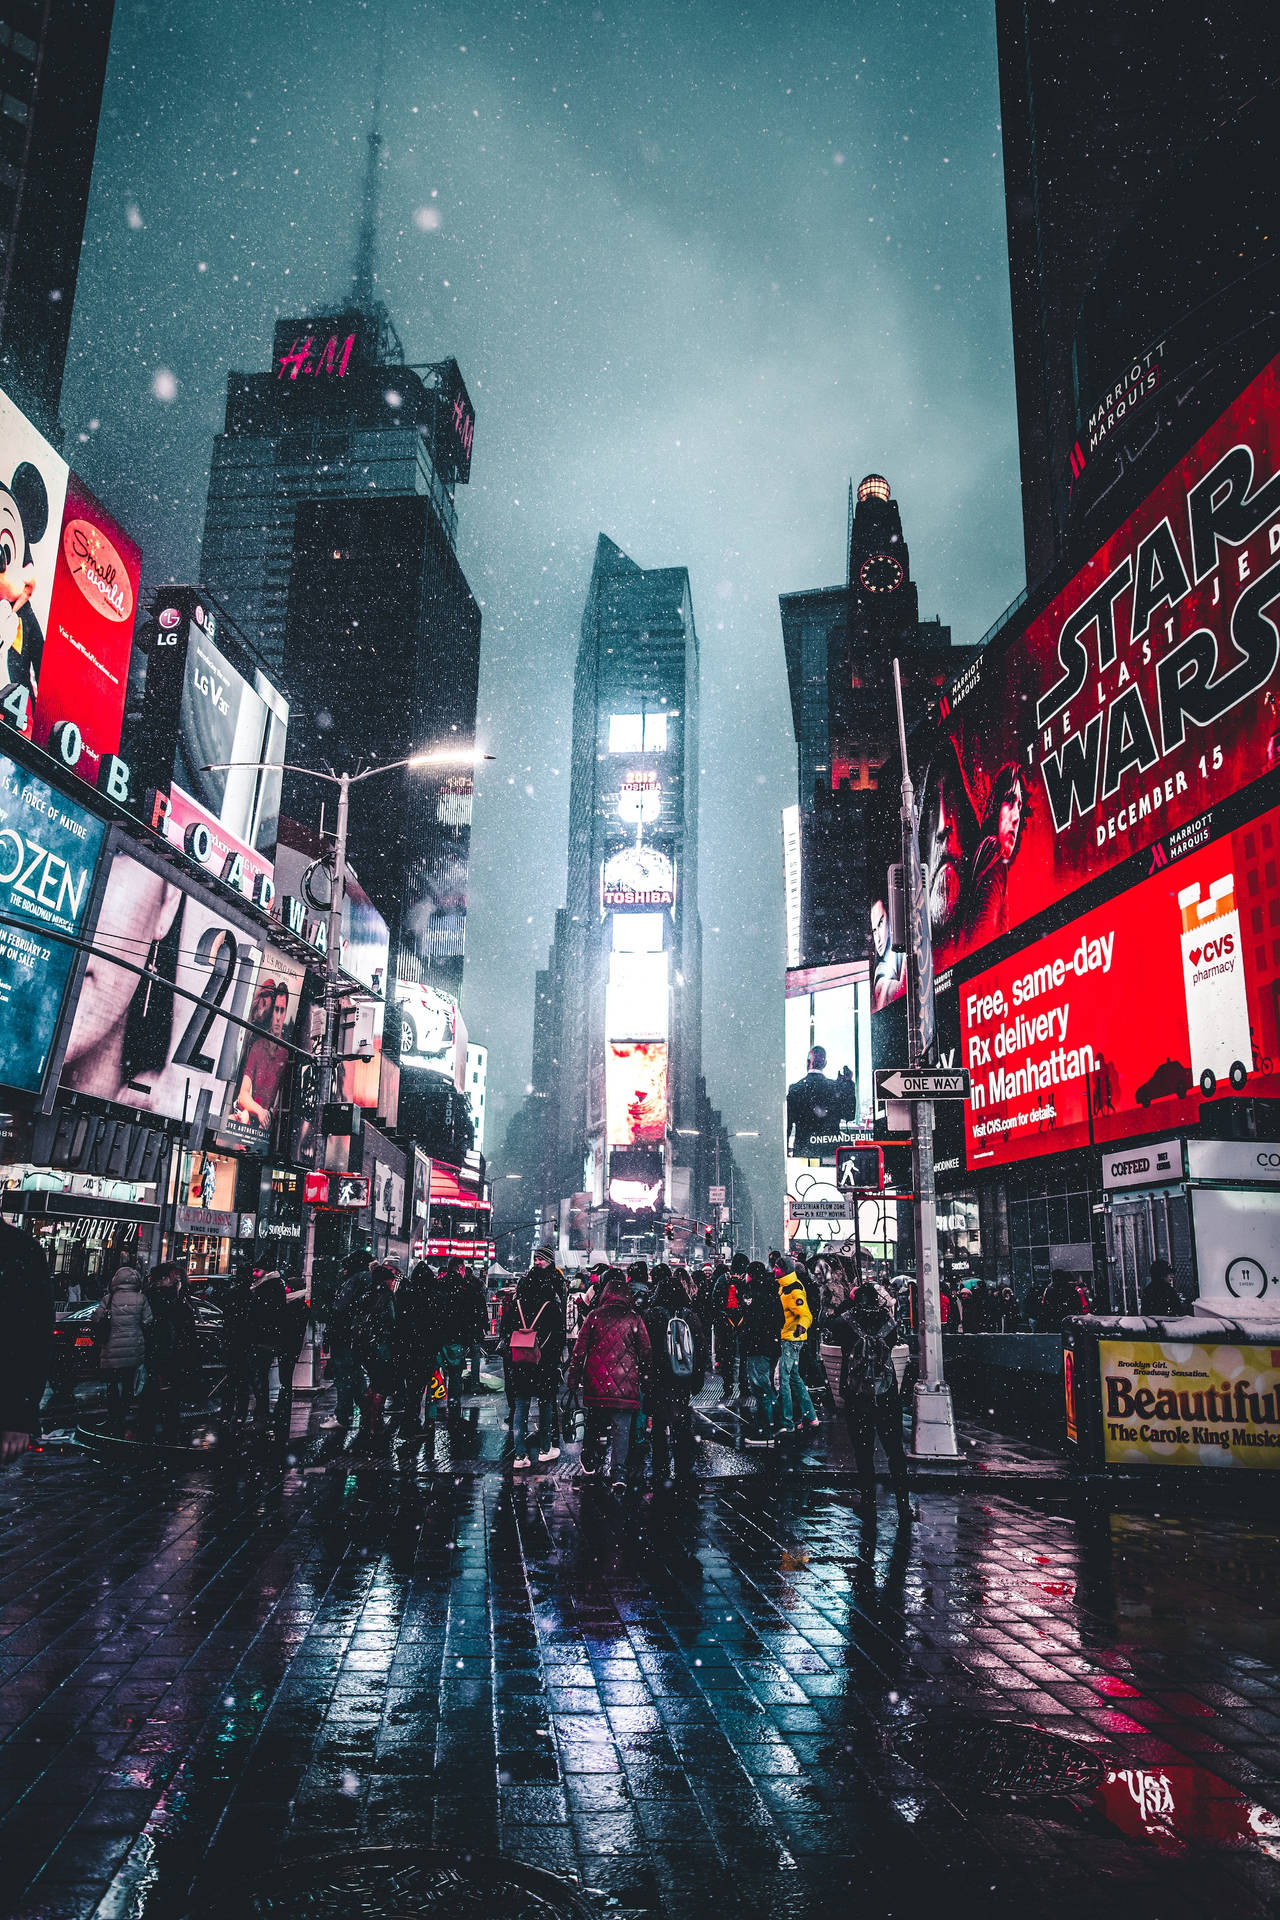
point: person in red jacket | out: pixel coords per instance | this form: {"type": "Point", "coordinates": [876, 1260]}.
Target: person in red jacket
{"type": "Point", "coordinates": [610, 1362]}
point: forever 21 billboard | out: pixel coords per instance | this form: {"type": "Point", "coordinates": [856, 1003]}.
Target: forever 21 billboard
{"type": "Point", "coordinates": [49, 850]}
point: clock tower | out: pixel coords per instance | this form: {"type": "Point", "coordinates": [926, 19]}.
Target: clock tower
{"type": "Point", "coordinates": [840, 644]}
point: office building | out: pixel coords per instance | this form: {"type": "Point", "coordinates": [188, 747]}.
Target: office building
{"type": "Point", "coordinates": [53, 61]}
{"type": "Point", "coordinates": [1142, 163]}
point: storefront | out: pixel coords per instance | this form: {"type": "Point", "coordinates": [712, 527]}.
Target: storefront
{"type": "Point", "coordinates": [88, 1186]}
{"type": "Point", "coordinates": [207, 1225]}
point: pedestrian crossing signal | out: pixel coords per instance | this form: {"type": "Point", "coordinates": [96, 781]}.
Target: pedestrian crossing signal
{"type": "Point", "coordinates": [860, 1168]}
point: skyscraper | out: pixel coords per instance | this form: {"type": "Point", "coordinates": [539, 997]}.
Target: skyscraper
{"type": "Point", "coordinates": [330, 537]}
{"type": "Point", "coordinates": [840, 645]}
{"type": "Point", "coordinates": [53, 61]}
{"type": "Point", "coordinates": [1141, 157]}
{"type": "Point", "coordinates": [610, 1138]}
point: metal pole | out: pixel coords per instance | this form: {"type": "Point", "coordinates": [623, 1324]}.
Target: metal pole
{"type": "Point", "coordinates": [935, 1427]}
{"type": "Point", "coordinates": [324, 1065]}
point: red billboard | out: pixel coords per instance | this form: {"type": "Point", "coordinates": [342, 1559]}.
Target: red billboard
{"type": "Point", "coordinates": [1145, 693]}
{"type": "Point", "coordinates": [1121, 1023]}
{"type": "Point", "coordinates": [84, 675]}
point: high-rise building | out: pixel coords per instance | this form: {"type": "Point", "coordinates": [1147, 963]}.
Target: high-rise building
{"type": "Point", "coordinates": [1142, 178]}
{"type": "Point", "coordinates": [330, 537]}
{"type": "Point", "coordinates": [840, 645]}
{"type": "Point", "coordinates": [53, 60]}
{"type": "Point", "coordinates": [329, 534]}
{"type": "Point", "coordinates": [610, 1141]}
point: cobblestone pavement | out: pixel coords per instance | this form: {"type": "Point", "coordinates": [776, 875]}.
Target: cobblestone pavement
{"type": "Point", "coordinates": [748, 1701]}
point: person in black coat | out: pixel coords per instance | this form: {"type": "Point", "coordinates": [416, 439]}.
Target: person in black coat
{"type": "Point", "coordinates": [416, 1343]}
{"type": "Point", "coordinates": [866, 1334]}
{"type": "Point", "coordinates": [26, 1314]}
{"type": "Point", "coordinates": [763, 1319]}
{"type": "Point", "coordinates": [174, 1371]}
{"type": "Point", "coordinates": [670, 1393]}
{"type": "Point", "coordinates": [1160, 1298]}
{"type": "Point", "coordinates": [461, 1311]}
{"type": "Point", "coordinates": [537, 1306]}
{"type": "Point", "coordinates": [292, 1332]}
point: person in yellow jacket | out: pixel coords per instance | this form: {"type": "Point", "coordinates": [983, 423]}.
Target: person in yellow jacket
{"type": "Point", "coordinates": [797, 1320]}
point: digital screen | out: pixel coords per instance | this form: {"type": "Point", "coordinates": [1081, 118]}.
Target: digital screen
{"type": "Point", "coordinates": [635, 1092]}
{"type": "Point", "coordinates": [1125, 1020]}
{"type": "Point", "coordinates": [136, 1040]}
{"type": "Point", "coordinates": [637, 997]}
{"type": "Point", "coordinates": [33, 492]}
{"type": "Point", "coordinates": [640, 798]}
{"type": "Point", "coordinates": [1147, 692]}
{"type": "Point", "coordinates": [49, 852]}
{"type": "Point", "coordinates": [259, 1088]}
{"type": "Point", "coordinates": [429, 1032]}
{"type": "Point", "coordinates": [89, 639]}
{"type": "Point", "coordinates": [637, 877]}
{"type": "Point", "coordinates": [828, 1053]}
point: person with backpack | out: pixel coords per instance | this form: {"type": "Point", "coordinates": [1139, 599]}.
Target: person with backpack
{"type": "Point", "coordinates": [415, 1344]}
{"type": "Point", "coordinates": [347, 1373]}
{"type": "Point", "coordinates": [726, 1321]}
{"type": "Point", "coordinates": [795, 1407]}
{"type": "Point", "coordinates": [678, 1344]}
{"type": "Point", "coordinates": [461, 1313]}
{"type": "Point", "coordinates": [866, 1334]}
{"type": "Point", "coordinates": [533, 1335]}
{"type": "Point", "coordinates": [611, 1358]}
{"type": "Point", "coordinates": [763, 1319]}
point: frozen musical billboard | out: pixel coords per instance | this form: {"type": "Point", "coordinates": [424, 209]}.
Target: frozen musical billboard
{"type": "Point", "coordinates": [1125, 1020]}
{"type": "Point", "coordinates": [1145, 693]}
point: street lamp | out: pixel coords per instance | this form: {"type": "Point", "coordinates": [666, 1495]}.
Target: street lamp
{"type": "Point", "coordinates": [416, 762]}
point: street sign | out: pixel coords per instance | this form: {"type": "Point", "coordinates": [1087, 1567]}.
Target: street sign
{"type": "Point", "coordinates": [716, 1196]}
{"type": "Point", "coordinates": [860, 1168]}
{"type": "Point", "coordinates": [922, 1083]}
{"type": "Point", "coordinates": [832, 1209]}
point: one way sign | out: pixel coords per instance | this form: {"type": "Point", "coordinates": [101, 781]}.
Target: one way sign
{"type": "Point", "coordinates": [922, 1083]}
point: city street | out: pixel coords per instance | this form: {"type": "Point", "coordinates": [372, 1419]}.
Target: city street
{"type": "Point", "coordinates": [745, 1701]}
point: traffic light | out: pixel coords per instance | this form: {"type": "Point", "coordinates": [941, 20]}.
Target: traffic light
{"type": "Point", "coordinates": [709, 1234]}
{"type": "Point", "coordinates": [669, 1231]}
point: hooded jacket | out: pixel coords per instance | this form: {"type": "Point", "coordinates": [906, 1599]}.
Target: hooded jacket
{"type": "Point", "coordinates": [668, 1299]}
{"type": "Point", "coordinates": [763, 1318]}
{"type": "Point", "coordinates": [866, 1342]}
{"type": "Point", "coordinates": [797, 1313]}
{"type": "Point", "coordinates": [126, 1313]}
{"type": "Point", "coordinates": [611, 1355]}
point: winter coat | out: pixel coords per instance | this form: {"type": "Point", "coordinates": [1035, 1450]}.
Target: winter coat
{"type": "Point", "coordinates": [294, 1315]}
{"type": "Point", "coordinates": [460, 1311]}
{"type": "Point", "coordinates": [666, 1386]}
{"type": "Point", "coordinates": [373, 1322]}
{"type": "Point", "coordinates": [264, 1316]}
{"type": "Point", "coordinates": [416, 1340]}
{"type": "Point", "coordinates": [578, 1304]}
{"type": "Point", "coordinates": [611, 1357]}
{"type": "Point", "coordinates": [726, 1300]}
{"type": "Point", "coordinates": [1161, 1299]}
{"type": "Point", "coordinates": [26, 1314]}
{"type": "Point", "coordinates": [762, 1321]}
{"type": "Point", "coordinates": [866, 1343]}
{"type": "Point", "coordinates": [172, 1343]}
{"type": "Point", "coordinates": [125, 1314]}
{"type": "Point", "coordinates": [797, 1313]}
{"type": "Point", "coordinates": [539, 1299]}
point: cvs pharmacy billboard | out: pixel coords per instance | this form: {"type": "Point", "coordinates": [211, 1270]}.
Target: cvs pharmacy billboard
{"type": "Point", "coordinates": [1122, 1023]}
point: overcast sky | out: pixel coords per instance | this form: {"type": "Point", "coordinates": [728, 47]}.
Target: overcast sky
{"type": "Point", "coordinates": [699, 263]}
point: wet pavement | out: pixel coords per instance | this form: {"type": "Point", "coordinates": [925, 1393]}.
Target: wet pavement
{"type": "Point", "coordinates": [327, 1685]}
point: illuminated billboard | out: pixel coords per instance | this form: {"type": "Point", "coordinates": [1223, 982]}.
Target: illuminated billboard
{"type": "Point", "coordinates": [433, 1035]}
{"type": "Point", "coordinates": [636, 997]}
{"type": "Point", "coordinates": [635, 1092]}
{"type": "Point", "coordinates": [1145, 693]}
{"type": "Point", "coordinates": [49, 851]}
{"type": "Point", "coordinates": [259, 1087]}
{"type": "Point", "coordinates": [640, 876]}
{"type": "Point", "coordinates": [828, 1059]}
{"type": "Point", "coordinates": [210, 723]}
{"type": "Point", "coordinates": [1125, 1020]}
{"type": "Point", "coordinates": [154, 1032]}
{"type": "Point", "coordinates": [68, 591]}
{"type": "Point", "coordinates": [640, 798]}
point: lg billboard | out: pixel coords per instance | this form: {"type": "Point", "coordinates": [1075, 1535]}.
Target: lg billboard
{"type": "Point", "coordinates": [1146, 693]}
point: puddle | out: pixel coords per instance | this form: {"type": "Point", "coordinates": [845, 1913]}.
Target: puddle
{"type": "Point", "coordinates": [1177, 1807]}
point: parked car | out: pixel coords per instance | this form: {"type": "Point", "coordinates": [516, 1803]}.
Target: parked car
{"type": "Point", "coordinates": [76, 1342]}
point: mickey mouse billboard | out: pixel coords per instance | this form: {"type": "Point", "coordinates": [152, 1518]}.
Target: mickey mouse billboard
{"type": "Point", "coordinates": [68, 594]}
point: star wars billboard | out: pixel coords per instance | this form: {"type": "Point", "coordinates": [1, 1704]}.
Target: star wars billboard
{"type": "Point", "coordinates": [1144, 694]}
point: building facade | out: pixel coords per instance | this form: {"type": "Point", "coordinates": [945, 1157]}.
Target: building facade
{"type": "Point", "coordinates": [608, 1143]}
{"type": "Point", "coordinates": [53, 62]}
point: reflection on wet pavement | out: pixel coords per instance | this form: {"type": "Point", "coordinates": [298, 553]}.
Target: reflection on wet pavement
{"type": "Point", "coordinates": [736, 1701]}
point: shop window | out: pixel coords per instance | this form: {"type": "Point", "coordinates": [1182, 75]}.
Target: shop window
{"type": "Point", "coordinates": [1059, 1229]}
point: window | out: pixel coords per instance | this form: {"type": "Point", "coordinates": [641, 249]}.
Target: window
{"type": "Point", "coordinates": [637, 733]}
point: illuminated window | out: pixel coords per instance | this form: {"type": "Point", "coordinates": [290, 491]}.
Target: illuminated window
{"type": "Point", "coordinates": [637, 733]}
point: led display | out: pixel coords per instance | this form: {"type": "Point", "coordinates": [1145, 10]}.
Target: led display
{"type": "Point", "coordinates": [637, 876]}
{"type": "Point", "coordinates": [635, 1092]}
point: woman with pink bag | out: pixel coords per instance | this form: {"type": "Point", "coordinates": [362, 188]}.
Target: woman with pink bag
{"type": "Point", "coordinates": [532, 1334]}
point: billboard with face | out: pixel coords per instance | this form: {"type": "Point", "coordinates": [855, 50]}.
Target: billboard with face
{"type": "Point", "coordinates": [828, 1058]}
{"type": "Point", "coordinates": [259, 1088]}
{"type": "Point", "coordinates": [33, 491]}
{"type": "Point", "coordinates": [153, 1033]}
{"type": "Point", "coordinates": [1123, 1022]}
{"type": "Point", "coordinates": [635, 1092]}
{"type": "Point", "coordinates": [49, 851]}
{"type": "Point", "coordinates": [1146, 692]}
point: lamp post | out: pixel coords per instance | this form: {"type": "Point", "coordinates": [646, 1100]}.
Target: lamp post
{"type": "Point", "coordinates": [432, 757]}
